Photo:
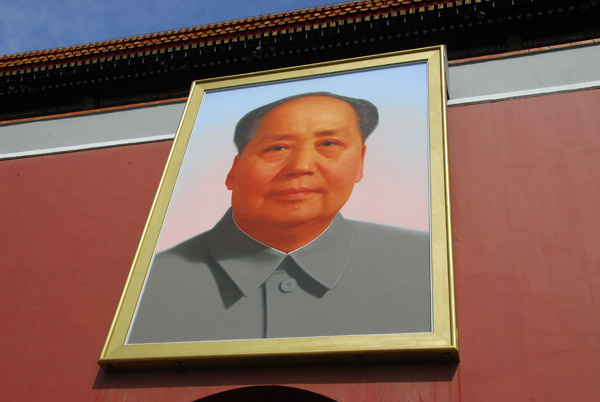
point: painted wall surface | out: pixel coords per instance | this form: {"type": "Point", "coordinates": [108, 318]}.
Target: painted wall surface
{"type": "Point", "coordinates": [525, 73]}
{"type": "Point", "coordinates": [525, 182]}
{"type": "Point", "coordinates": [554, 70]}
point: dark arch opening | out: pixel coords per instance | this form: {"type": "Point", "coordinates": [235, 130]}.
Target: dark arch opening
{"type": "Point", "coordinates": [266, 393]}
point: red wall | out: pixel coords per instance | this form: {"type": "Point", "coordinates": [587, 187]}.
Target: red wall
{"type": "Point", "coordinates": [525, 182]}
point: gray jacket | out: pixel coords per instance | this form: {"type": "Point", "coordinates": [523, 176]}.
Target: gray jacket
{"type": "Point", "coordinates": [356, 278]}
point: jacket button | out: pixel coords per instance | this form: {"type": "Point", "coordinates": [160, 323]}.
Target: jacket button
{"type": "Point", "coordinates": [287, 285]}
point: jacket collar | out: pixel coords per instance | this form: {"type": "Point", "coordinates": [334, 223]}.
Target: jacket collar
{"type": "Point", "coordinates": [249, 263]}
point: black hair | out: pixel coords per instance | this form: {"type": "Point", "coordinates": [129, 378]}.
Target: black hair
{"type": "Point", "coordinates": [366, 113]}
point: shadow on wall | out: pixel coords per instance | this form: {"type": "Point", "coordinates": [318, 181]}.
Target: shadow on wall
{"type": "Point", "coordinates": [272, 393]}
{"type": "Point", "coordinates": [428, 375]}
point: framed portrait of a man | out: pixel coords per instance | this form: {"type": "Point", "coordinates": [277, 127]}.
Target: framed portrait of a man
{"type": "Point", "coordinates": [303, 215]}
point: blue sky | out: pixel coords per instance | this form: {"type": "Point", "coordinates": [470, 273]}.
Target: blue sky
{"type": "Point", "coordinates": [28, 25]}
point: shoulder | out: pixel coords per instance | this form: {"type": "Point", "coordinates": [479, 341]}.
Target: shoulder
{"type": "Point", "coordinates": [382, 232]}
{"type": "Point", "coordinates": [204, 246]}
{"type": "Point", "coordinates": [192, 249]}
{"type": "Point", "coordinates": [385, 243]}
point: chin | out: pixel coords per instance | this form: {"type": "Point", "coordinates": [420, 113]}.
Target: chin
{"type": "Point", "coordinates": [296, 218]}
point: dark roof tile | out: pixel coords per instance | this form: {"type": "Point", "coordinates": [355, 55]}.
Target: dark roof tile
{"type": "Point", "coordinates": [178, 37]}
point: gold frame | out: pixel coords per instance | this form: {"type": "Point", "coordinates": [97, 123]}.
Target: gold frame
{"type": "Point", "coordinates": [441, 343]}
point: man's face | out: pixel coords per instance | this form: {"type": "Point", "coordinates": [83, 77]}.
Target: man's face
{"type": "Point", "coordinates": [300, 166]}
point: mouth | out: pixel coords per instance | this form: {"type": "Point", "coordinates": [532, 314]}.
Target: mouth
{"type": "Point", "coordinates": [292, 194]}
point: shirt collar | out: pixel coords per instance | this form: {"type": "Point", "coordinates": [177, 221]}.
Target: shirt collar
{"type": "Point", "coordinates": [249, 263]}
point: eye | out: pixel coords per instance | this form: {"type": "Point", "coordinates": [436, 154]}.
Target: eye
{"type": "Point", "coordinates": [330, 143]}
{"type": "Point", "coordinates": [275, 148]}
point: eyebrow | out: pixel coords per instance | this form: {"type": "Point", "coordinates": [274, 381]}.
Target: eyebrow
{"type": "Point", "coordinates": [269, 138]}
{"type": "Point", "coordinates": [324, 133]}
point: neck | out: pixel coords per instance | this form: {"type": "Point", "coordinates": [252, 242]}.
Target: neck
{"type": "Point", "coordinates": [285, 238]}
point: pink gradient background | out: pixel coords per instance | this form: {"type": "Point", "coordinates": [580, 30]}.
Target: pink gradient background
{"type": "Point", "coordinates": [395, 187]}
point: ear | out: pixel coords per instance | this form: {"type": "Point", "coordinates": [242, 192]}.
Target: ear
{"type": "Point", "coordinates": [359, 173]}
{"type": "Point", "coordinates": [230, 180]}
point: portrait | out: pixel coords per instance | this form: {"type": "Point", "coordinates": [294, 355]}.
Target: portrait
{"type": "Point", "coordinates": [302, 212]}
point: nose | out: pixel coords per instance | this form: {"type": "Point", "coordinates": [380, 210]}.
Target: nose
{"type": "Point", "coordinates": [301, 161]}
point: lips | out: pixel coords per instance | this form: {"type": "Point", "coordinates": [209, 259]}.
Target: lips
{"type": "Point", "coordinates": [294, 193]}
